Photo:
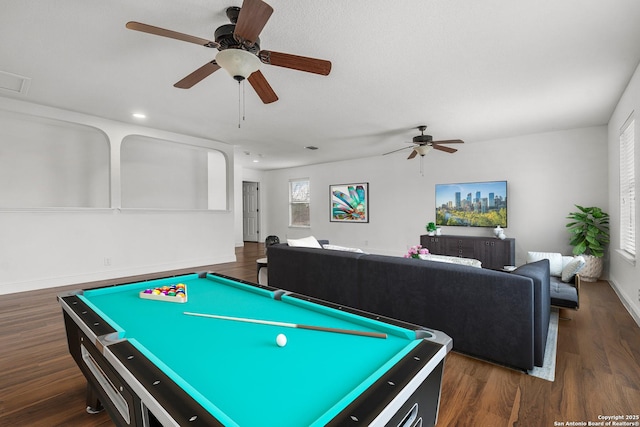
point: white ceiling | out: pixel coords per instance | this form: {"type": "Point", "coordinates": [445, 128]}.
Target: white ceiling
{"type": "Point", "coordinates": [473, 70]}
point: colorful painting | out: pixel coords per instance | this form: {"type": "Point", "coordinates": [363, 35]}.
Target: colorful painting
{"type": "Point", "coordinates": [350, 202]}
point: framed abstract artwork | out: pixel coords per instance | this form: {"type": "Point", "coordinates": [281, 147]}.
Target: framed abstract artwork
{"type": "Point", "coordinates": [350, 202]}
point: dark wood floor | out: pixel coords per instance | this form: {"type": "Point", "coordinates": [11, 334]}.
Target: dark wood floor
{"type": "Point", "coordinates": [598, 366]}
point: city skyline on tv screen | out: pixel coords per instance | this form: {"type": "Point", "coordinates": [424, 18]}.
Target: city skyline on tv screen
{"type": "Point", "coordinates": [472, 204]}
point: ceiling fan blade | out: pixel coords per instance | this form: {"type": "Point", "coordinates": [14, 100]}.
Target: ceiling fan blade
{"type": "Point", "coordinates": [399, 149]}
{"type": "Point", "coordinates": [198, 75]}
{"type": "Point", "coordinates": [444, 148]}
{"type": "Point", "coordinates": [449, 141]}
{"type": "Point", "coordinates": [262, 87]}
{"type": "Point", "coordinates": [253, 16]}
{"type": "Point", "coordinates": [150, 29]}
{"type": "Point", "coordinates": [412, 155]}
{"type": "Point", "coordinates": [301, 63]}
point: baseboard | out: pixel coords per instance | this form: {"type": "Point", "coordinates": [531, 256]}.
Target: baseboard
{"type": "Point", "coordinates": [53, 282]}
{"type": "Point", "coordinates": [625, 302]}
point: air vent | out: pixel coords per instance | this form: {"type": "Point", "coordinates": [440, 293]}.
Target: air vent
{"type": "Point", "coordinates": [14, 83]}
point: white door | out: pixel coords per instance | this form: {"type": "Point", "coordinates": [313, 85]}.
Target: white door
{"type": "Point", "coordinates": [250, 212]}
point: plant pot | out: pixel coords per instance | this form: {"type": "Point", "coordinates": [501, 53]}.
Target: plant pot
{"type": "Point", "coordinates": [592, 270]}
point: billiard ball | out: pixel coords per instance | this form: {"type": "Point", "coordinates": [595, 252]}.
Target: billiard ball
{"type": "Point", "coordinates": [281, 340]}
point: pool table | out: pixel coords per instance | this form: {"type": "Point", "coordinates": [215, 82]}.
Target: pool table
{"type": "Point", "coordinates": [152, 362]}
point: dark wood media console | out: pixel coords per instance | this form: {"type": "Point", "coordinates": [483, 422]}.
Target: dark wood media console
{"type": "Point", "coordinates": [492, 252]}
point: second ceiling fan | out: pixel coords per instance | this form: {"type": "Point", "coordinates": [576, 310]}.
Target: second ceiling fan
{"type": "Point", "coordinates": [425, 142]}
{"type": "Point", "coordinates": [239, 50]}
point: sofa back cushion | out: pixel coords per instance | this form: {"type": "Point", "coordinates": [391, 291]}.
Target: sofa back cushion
{"type": "Point", "coordinates": [455, 299]}
{"type": "Point", "coordinates": [320, 273]}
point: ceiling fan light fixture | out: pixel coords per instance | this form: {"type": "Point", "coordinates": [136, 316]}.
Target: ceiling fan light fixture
{"type": "Point", "coordinates": [239, 63]}
{"type": "Point", "coordinates": [422, 149]}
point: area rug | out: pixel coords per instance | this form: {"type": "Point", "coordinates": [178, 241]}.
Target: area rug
{"type": "Point", "coordinates": [548, 369]}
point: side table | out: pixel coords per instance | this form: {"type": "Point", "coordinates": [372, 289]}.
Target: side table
{"type": "Point", "coordinates": [262, 275]}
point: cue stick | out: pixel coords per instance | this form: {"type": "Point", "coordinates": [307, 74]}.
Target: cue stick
{"type": "Point", "coordinates": [291, 325]}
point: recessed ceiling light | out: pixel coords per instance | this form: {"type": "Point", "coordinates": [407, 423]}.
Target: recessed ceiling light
{"type": "Point", "coordinates": [256, 161]}
{"type": "Point", "coordinates": [139, 115]}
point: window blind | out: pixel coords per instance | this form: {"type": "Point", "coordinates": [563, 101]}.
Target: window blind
{"type": "Point", "coordinates": [299, 201]}
{"type": "Point", "coordinates": [627, 188]}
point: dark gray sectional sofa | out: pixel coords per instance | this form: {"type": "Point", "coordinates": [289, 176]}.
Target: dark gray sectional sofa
{"type": "Point", "coordinates": [493, 315]}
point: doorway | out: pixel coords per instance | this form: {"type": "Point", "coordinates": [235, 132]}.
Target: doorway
{"type": "Point", "coordinates": [250, 212]}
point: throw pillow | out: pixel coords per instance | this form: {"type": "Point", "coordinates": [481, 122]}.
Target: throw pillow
{"type": "Point", "coordinates": [572, 268]}
{"type": "Point", "coordinates": [555, 261]}
{"type": "Point", "coordinates": [342, 248]}
{"type": "Point", "coordinates": [566, 259]}
{"type": "Point", "coordinates": [305, 242]}
{"type": "Point", "coordinates": [451, 260]}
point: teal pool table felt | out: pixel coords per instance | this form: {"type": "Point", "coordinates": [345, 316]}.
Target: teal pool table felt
{"type": "Point", "coordinates": [235, 369]}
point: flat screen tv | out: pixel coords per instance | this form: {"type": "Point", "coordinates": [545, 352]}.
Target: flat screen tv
{"type": "Point", "coordinates": [472, 204]}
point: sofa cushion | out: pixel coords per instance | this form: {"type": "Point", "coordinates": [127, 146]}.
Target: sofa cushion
{"type": "Point", "coordinates": [555, 261]}
{"type": "Point", "coordinates": [572, 268]}
{"type": "Point", "coordinates": [563, 294]}
{"type": "Point", "coordinates": [305, 242]}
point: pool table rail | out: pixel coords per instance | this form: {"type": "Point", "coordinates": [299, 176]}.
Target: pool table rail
{"type": "Point", "coordinates": [138, 382]}
{"type": "Point", "coordinates": [134, 388]}
{"type": "Point", "coordinates": [420, 332]}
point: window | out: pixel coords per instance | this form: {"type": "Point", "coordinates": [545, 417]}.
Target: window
{"type": "Point", "coordinates": [627, 189]}
{"type": "Point", "coordinates": [299, 199]}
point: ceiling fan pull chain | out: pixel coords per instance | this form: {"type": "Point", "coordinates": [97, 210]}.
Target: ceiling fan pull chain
{"type": "Point", "coordinates": [239, 105]}
{"type": "Point", "coordinates": [241, 102]}
{"type": "Point", "coordinates": [244, 100]}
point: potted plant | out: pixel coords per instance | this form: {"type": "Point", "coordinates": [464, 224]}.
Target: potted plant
{"type": "Point", "coordinates": [431, 228]}
{"type": "Point", "coordinates": [589, 229]}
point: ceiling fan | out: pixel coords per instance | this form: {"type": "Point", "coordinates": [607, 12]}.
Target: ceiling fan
{"type": "Point", "coordinates": [425, 143]}
{"type": "Point", "coordinates": [239, 50]}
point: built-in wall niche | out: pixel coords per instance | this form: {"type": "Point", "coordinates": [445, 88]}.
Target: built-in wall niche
{"type": "Point", "coordinates": [160, 174]}
{"type": "Point", "coordinates": [48, 163]}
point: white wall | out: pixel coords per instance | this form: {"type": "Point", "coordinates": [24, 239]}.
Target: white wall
{"type": "Point", "coordinates": [49, 163]}
{"type": "Point", "coordinates": [547, 174]}
{"type": "Point", "coordinates": [624, 274]}
{"type": "Point", "coordinates": [44, 247]}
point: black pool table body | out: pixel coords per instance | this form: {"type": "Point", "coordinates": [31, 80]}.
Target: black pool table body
{"type": "Point", "coordinates": [138, 390]}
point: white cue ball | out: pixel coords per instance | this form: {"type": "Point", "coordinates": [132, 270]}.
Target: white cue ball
{"type": "Point", "coordinates": [281, 340]}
